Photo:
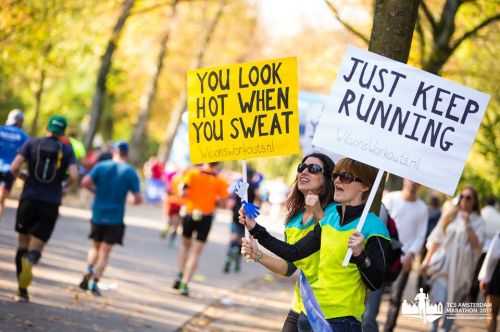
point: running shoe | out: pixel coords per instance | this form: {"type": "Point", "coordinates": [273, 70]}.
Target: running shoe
{"type": "Point", "coordinates": [171, 240]}
{"type": "Point", "coordinates": [94, 289]}
{"type": "Point", "coordinates": [177, 284]}
{"type": "Point", "coordinates": [164, 233]}
{"type": "Point", "coordinates": [22, 295]}
{"type": "Point", "coordinates": [183, 289]}
{"type": "Point", "coordinates": [26, 274]}
{"type": "Point", "coordinates": [227, 266]}
{"type": "Point", "coordinates": [177, 281]}
{"type": "Point", "coordinates": [84, 285]}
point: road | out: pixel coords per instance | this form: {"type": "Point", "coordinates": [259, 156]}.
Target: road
{"type": "Point", "coordinates": [139, 278]}
{"type": "Point", "coordinates": [139, 295]}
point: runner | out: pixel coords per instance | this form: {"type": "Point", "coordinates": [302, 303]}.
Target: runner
{"type": "Point", "coordinates": [237, 230]}
{"type": "Point", "coordinates": [172, 206]}
{"type": "Point", "coordinates": [155, 183]}
{"type": "Point", "coordinates": [340, 291]}
{"type": "Point", "coordinates": [12, 138]}
{"type": "Point", "coordinates": [314, 177]}
{"type": "Point", "coordinates": [48, 161]}
{"type": "Point", "coordinates": [203, 188]}
{"type": "Point", "coordinates": [110, 180]}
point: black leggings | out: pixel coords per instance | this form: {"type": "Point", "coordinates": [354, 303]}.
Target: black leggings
{"type": "Point", "coordinates": [290, 324]}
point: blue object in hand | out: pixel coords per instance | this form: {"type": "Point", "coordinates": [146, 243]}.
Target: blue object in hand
{"type": "Point", "coordinates": [251, 211]}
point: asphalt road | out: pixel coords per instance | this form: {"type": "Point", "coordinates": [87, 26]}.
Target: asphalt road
{"type": "Point", "coordinates": [139, 295]}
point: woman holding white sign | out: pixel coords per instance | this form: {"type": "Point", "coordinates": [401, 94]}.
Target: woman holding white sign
{"type": "Point", "coordinates": [311, 198]}
{"type": "Point", "coordinates": [339, 291]}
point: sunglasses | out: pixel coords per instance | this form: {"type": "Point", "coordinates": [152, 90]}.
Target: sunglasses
{"type": "Point", "coordinates": [346, 177]}
{"type": "Point", "coordinates": [311, 168]}
{"type": "Point", "coordinates": [466, 197]}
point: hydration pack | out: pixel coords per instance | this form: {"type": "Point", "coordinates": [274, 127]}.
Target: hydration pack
{"type": "Point", "coordinates": [47, 156]}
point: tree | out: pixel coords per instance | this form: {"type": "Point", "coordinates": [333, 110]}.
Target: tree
{"type": "Point", "coordinates": [139, 135]}
{"type": "Point", "coordinates": [445, 39]}
{"type": "Point", "coordinates": [442, 29]}
{"type": "Point", "coordinates": [106, 62]}
{"type": "Point", "coordinates": [38, 48]}
{"type": "Point", "coordinates": [176, 115]}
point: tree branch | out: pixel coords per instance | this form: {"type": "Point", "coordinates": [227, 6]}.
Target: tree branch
{"type": "Point", "coordinates": [429, 16]}
{"type": "Point", "coordinates": [474, 31]}
{"type": "Point", "coordinates": [153, 7]}
{"type": "Point", "coordinates": [421, 38]}
{"type": "Point", "coordinates": [345, 24]}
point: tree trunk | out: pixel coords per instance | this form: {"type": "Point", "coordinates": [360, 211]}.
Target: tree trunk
{"type": "Point", "coordinates": [393, 25]}
{"type": "Point", "coordinates": [102, 75]}
{"type": "Point", "coordinates": [392, 33]}
{"type": "Point", "coordinates": [176, 115]}
{"type": "Point", "coordinates": [139, 135]}
{"type": "Point", "coordinates": [38, 102]}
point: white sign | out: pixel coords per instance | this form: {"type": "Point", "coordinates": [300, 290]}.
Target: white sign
{"type": "Point", "coordinates": [400, 119]}
{"type": "Point", "coordinates": [311, 106]}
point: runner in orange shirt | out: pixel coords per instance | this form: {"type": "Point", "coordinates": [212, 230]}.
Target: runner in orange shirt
{"type": "Point", "coordinates": [203, 189]}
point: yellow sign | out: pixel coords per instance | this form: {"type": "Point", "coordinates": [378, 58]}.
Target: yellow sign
{"type": "Point", "coordinates": [243, 111]}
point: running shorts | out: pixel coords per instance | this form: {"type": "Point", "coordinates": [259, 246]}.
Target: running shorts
{"type": "Point", "coordinates": [201, 227]}
{"type": "Point", "coordinates": [6, 180]}
{"type": "Point", "coordinates": [36, 218]}
{"type": "Point", "coordinates": [110, 234]}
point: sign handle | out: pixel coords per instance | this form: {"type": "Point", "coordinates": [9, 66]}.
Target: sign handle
{"type": "Point", "coordinates": [364, 214]}
{"type": "Point", "coordinates": [245, 180]}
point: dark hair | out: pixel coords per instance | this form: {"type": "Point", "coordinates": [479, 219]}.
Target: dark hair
{"type": "Point", "coordinates": [435, 201]}
{"type": "Point", "coordinates": [490, 201]}
{"type": "Point", "coordinates": [475, 206]}
{"type": "Point", "coordinates": [296, 201]}
{"type": "Point", "coordinates": [366, 173]}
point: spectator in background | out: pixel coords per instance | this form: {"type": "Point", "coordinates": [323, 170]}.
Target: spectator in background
{"type": "Point", "coordinates": [454, 247]}
{"type": "Point", "coordinates": [237, 230]}
{"type": "Point", "coordinates": [12, 138]}
{"type": "Point", "coordinates": [490, 281]}
{"type": "Point", "coordinates": [411, 217]}
{"type": "Point", "coordinates": [434, 215]}
{"type": "Point", "coordinates": [491, 216]}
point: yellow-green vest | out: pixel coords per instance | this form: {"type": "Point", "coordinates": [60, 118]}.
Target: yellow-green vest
{"type": "Point", "coordinates": [339, 290]}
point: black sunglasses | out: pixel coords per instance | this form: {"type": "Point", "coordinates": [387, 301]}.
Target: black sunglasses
{"type": "Point", "coordinates": [466, 197]}
{"type": "Point", "coordinates": [346, 178]}
{"type": "Point", "coordinates": [312, 168]}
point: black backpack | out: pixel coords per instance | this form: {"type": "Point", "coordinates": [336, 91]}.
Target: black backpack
{"type": "Point", "coordinates": [47, 157]}
{"type": "Point", "coordinates": [394, 264]}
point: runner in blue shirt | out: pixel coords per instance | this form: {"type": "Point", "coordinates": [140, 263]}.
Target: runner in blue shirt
{"type": "Point", "coordinates": [12, 137]}
{"type": "Point", "coordinates": [111, 181]}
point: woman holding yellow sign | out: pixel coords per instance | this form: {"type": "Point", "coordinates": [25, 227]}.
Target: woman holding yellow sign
{"type": "Point", "coordinates": [337, 299]}
{"type": "Point", "coordinates": [312, 192]}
